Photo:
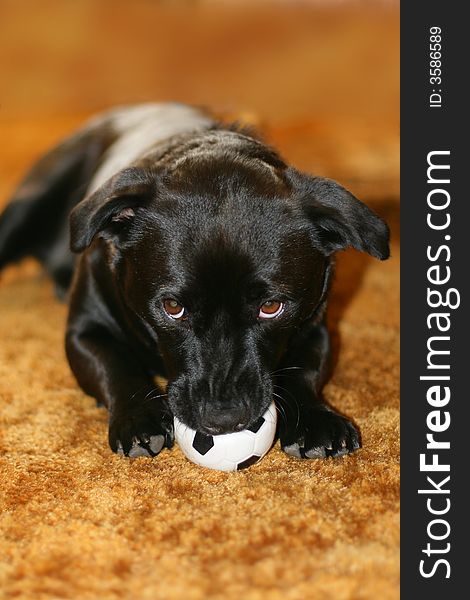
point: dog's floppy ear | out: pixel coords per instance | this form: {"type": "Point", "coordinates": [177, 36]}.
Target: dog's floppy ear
{"type": "Point", "coordinates": [338, 220]}
{"type": "Point", "coordinates": [114, 202]}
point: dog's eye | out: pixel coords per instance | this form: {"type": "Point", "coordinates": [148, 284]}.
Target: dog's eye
{"type": "Point", "coordinates": [173, 309]}
{"type": "Point", "coordinates": [271, 309]}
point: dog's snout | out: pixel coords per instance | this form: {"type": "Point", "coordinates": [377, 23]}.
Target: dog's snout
{"type": "Point", "coordinates": [218, 420]}
{"type": "Point", "coordinates": [222, 398]}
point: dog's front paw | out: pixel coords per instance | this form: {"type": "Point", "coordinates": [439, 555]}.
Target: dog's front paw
{"type": "Point", "coordinates": [141, 431]}
{"type": "Point", "coordinates": [319, 433]}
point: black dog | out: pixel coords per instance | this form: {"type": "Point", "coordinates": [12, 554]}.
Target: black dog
{"type": "Point", "coordinates": [204, 258]}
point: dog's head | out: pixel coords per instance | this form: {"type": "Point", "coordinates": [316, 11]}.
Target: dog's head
{"type": "Point", "coordinates": [222, 256]}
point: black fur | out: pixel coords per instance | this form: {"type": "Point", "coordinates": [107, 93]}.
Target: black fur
{"type": "Point", "coordinates": [216, 220]}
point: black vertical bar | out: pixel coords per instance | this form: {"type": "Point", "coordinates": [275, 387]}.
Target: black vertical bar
{"type": "Point", "coordinates": [434, 118]}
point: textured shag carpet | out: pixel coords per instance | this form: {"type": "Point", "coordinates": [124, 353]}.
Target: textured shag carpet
{"type": "Point", "coordinates": [80, 522]}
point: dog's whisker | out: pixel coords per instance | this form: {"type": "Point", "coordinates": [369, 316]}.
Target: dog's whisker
{"type": "Point", "coordinates": [154, 395]}
{"type": "Point", "coordinates": [277, 371]}
{"type": "Point", "coordinates": [151, 398]}
{"type": "Point", "coordinates": [296, 402]}
{"type": "Point", "coordinates": [149, 393]}
{"type": "Point", "coordinates": [279, 387]}
{"type": "Point", "coordinates": [137, 392]}
{"type": "Point", "coordinates": [280, 408]}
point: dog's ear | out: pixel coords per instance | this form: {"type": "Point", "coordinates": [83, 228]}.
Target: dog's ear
{"type": "Point", "coordinates": [338, 220]}
{"type": "Point", "coordinates": [114, 203]}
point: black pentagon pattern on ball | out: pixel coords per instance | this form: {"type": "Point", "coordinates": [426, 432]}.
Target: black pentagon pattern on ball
{"type": "Point", "coordinates": [202, 442]}
{"type": "Point", "coordinates": [248, 462]}
{"type": "Point", "coordinates": [256, 425]}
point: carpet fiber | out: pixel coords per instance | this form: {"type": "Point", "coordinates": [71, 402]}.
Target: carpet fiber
{"type": "Point", "coordinates": [79, 522]}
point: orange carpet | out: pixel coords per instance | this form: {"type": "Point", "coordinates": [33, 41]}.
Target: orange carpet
{"type": "Point", "coordinates": [79, 522]}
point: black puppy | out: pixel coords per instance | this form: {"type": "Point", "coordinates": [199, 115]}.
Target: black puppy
{"type": "Point", "coordinates": [204, 258]}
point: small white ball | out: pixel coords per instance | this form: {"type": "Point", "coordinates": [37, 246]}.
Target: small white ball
{"type": "Point", "coordinates": [229, 451]}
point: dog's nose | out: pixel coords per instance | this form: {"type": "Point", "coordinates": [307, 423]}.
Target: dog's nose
{"type": "Point", "coordinates": [224, 420]}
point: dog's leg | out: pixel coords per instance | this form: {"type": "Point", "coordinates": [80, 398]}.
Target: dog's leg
{"type": "Point", "coordinates": [140, 421]}
{"type": "Point", "coordinates": [35, 222]}
{"type": "Point", "coordinates": [308, 427]}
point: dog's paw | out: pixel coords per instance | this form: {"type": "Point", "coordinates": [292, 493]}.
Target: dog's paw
{"type": "Point", "coordinates": [141, 432]}
{"type": "Point", "coordinates": [320, 433]}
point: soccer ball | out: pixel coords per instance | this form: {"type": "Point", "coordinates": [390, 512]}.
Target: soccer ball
{"type": "Point", "coordinates": [229, 451]}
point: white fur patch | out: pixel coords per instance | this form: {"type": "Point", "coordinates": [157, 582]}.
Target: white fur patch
{"type": "Point", "coordinates": [141, 127]}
